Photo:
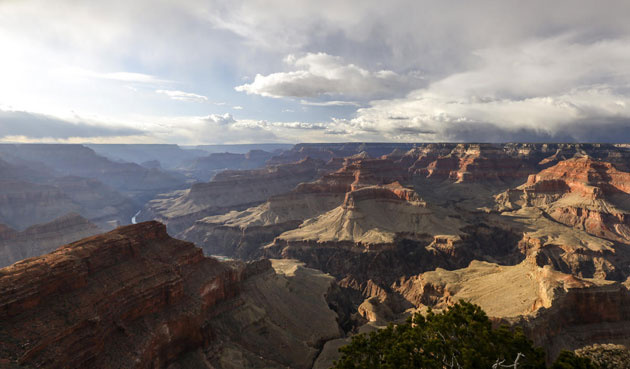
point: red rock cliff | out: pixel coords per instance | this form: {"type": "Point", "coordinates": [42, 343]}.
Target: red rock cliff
{"type": "Point", "coordinates": [132, 298]}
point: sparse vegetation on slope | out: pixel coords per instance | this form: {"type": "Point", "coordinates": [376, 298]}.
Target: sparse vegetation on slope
{"type": "Point", "coordinates": [460, 337]}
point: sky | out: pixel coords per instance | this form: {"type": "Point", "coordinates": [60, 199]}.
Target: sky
{"type": "Point", "coordinates": [212, 72]}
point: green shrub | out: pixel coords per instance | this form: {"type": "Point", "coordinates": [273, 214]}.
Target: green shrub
{"type": "Point", "coordinates": [569, 360]}
{"type": "Point", "coordinates": [460, 337]}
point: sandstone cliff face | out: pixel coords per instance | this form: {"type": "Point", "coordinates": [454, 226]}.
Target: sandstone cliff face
{"type": "Point", "coordinates": [565, 205]}
{"type": "Point", "coordinates": [382, 233]}
{"type": "Point", "coordinates": [372, 216]}
{"type": "Point", "coordinates": [130, 298]}
{"type": "Point", "coordinates": [136, 298]}
{"type": "Point", "coordinates": [243, 233]}
{"type": "Point", "coordinates": [43, 238]}
{"type": "Point", "coordinates": [229, 190]}
{"type": "Point", "coordinates": [465, 163]}
{"type": "Point", "coordinates": [355, 173]}
{"type": "Point", "coordinates": [581, 317]}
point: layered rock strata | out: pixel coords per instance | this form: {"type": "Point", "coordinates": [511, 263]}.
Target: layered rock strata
{"type": "Point", "coordinates": [43, 238]}
{"type": "Point", "coordinates": [228, 190]}
{"type": "Point", "coordinates": [578, 212]}
{"type": "Point", "coordinates": [558, 311]}
{"type": "Point", "coordinates": [242, 233]}
{"type": "Point", "coordinates": [136, 298]}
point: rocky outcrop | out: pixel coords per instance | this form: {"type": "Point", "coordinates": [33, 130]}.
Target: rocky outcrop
{"type": "Point", "coordinates": [580, 317]}
{"type": "Point", "coordinates": [228, 190]}
{"type": "Point", "coordinates": [607, 356]}
{"type": "Point", "coordinates": [136, 298]}
{"type": "Point", "coordinates": [465, 163]}
{"type": "Point", "coordinates": [133, 297]}
{"type": "Point", "coordinates": [558, 311]}
{"type": "Point", "coordinates": [381, 233]}
{"type": "Point", "coordinates": [280, 319]}
{"type": "Point", "coordinates": [243, 233]}
{"type": "Point", "coordinates": [373, 217]}
{"type": "Point", "coordinates": [357, 172]}
{"type": "Point", "coordinates": [578, 212]}
{"type": "Point", "coordinates": [43, 238]}
{"type": "Point", "coordinates": [329, 151]}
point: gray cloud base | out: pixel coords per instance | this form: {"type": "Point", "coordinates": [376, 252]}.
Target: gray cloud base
{"type": "Point", "coordinates": [406, 71]}
{"type": "Point", "coordinates": [31, 125]}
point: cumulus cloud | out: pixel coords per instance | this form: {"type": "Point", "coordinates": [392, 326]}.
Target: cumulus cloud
{"type": "Point", "coordinates": [182, 96]}
{"type": "Point", "coordinates": [223, 119]}
{"type": "Point", "coordinates": [541, 90]}
{"type": "Point", "coordinates": [300, 125]}
{"type": "Point", "coordinates": [320, 74]}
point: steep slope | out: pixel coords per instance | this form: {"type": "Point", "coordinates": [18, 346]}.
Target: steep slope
{"type": "Point", "coordinates": [279, 320]}
{"type": "Point", "coordinates": [136, 298]}
{"type": "Point", "coordinates": [328, 151]}
{"type": "Point", "coordinates": [228, 190]}
{"type": "Point", "coordinates": [577, 213]}
{"type": "Point", "coordinates": [471, 163]}
{"type": "Point", "coordinates": [557, 310]}
{"type": "Point", "coordinates": [374, 216]}
{"type": "Point", "coordinates": [205, 167]}
{"type": "Point", "coordinates": [242, 233]}
{"type": "Point", "coordinates": [98, 202]}
{"type": "Point", "coordinates": [43, 238]}
{"type": "Point", "coordinates": [23, 204]}
{"type": "Point", "coordinates": [382, 233]}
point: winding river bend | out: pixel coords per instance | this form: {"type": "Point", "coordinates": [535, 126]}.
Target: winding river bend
{"type": "Point", "coordinates": [133, 218]}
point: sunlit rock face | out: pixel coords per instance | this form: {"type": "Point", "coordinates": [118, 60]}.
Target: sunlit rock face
{"type": "Point", "coordinates": [228, 190]}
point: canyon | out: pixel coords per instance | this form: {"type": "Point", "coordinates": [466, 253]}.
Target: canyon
{"type": "Point", "coordinates": [134, 297]}
{"type": "Point", "coordinates": [318, 242]}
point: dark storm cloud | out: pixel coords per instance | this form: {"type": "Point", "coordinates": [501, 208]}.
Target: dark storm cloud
{"type": "Point", "coordinates": [31, 125]}
{"type": "Point", "coordinates": [593, 130]}
{"type": "Point", "coordinates": [413, 131]}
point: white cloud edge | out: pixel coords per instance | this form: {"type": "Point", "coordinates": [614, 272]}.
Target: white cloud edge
{"type": "Point", "coordinates": [182, 95]}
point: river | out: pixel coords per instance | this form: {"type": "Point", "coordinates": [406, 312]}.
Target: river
{"type": "Point", "coordinates": [133, 218]}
